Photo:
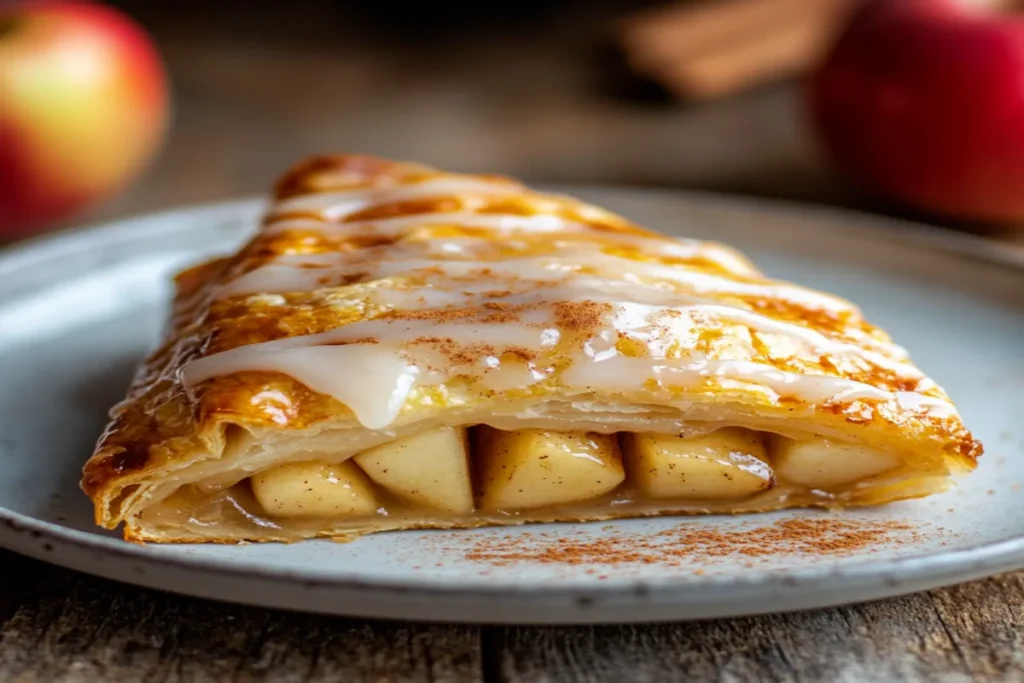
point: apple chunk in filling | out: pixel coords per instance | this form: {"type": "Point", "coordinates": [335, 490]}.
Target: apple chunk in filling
{"type": "Point", "coordinates": [825, 464]}
{"type": "Point", "coordinates": [314, 489]}
{"type": "Point", "coordinates": [725, 464]}
{"type": "Point", "coordinates": [430, 468]}
{"type": "Point", "coordinates": [444, 471]}
{"type": "Point", "coordinates": [532, 468]}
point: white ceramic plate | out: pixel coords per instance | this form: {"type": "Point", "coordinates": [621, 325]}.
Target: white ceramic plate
{"type": "Point", "coordinates": [78, 310]}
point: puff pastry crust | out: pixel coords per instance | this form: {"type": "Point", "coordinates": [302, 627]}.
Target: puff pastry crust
{"type": "Point", "coordinates": [400, 347]}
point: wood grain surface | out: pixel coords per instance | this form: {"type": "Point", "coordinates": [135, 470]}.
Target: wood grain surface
{"type": "Point", "coordinates": [250, 100]}
{"type": "Point", "coordinates": [58, 625]}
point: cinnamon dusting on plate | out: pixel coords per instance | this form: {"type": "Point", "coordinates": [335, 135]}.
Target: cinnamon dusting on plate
{"type": "Point", "coordinates": [687, 544]}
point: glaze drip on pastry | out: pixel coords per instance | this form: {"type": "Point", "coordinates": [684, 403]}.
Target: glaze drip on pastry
{"type": "Point", "coordinates": [388, 309]}
{"type": "Point", "coordinates": [509, 302]}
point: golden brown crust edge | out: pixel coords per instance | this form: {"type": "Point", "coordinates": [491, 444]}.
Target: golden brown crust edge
{"type": "Point", "coordinates": [159, 425]}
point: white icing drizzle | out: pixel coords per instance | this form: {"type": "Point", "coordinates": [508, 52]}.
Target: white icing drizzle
{"type": "Point", "coordinates": [372, 379]}
{"type": "Point", "coordinates": [335, 206]}
{"type": "Point", "coordinates": [571, 290]}
{"type": "Point", "coordinates": [681, 248]}
{"type": "Point", "coordinates": [372, 366]}
{"type": "Point", "coordinates": [278, 278]}
{"type": "Point", "coordinates": [291, 273]}
{"type": "Point", "coordinates": [282, 278]}
{"type": "Point", "coordinates": [394, 360]}
{"type": "Point", "coordinates": [385, 330]}
{"type": "Point", "coordinates": [627, 374]}
{"type": "Point", "coordinates": [717, 284]}
{"type": "Point", "coordinates": [400, 225]}
{"type": "Point", "coordinates": [373, 382]}
{"type": "Point", "coordinates": [299, 273]}
{"type": "Point", "coordinates": [289, 278]}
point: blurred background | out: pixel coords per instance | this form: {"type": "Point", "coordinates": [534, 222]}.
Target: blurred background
{"type": "Point", "coordinates": [707, 94]}
{"type": "Point", "coordinates": [527, 88]}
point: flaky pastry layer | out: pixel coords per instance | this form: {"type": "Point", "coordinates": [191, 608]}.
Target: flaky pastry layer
{"type": "Point", "coordinates": [382, 299]}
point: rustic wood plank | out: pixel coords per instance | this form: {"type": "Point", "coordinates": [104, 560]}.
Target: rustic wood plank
{"type": "Point", "coordinates": [969, 632]}
{"type": "Point", "coordinates": [61, 625]}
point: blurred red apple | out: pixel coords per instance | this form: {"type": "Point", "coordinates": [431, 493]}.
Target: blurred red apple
{"type": "Point", "coordinates": [83, 106]}
{"type": "Point", "coordinates": [923, 101]}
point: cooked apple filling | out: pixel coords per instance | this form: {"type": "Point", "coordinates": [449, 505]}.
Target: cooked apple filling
{"type": "Point", "coordinates": [454, 472]}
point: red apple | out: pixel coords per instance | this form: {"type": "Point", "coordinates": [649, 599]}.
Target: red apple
{"type": "Point", "coordinates": [923, 101]}
{"type": "Point", "coordinates": [83, 106]}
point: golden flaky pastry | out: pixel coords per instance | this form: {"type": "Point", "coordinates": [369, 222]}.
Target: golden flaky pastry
{"type": "Point", "coordinates": [400, 348]}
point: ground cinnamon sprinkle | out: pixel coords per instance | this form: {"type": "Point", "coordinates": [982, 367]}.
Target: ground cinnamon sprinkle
{"type": "Point", "coordinates": [502, 313]}
{"type": "Point", "coordinates": [438, 315]}
{"type": "Point", "coordinates": [580, 316]}
{"type": "Point", "coordinates": [468, 354]}
{"type": "Point", "coordinates": [455, 352]}
{"type": "Point", "coordinates": [521, 353]}
{"type": "Point", "coordinates": [488, 313]}
{"type": "Point", "coordinates": [458, 353]}
{"type": "Point", "coordinates": [686, 544]}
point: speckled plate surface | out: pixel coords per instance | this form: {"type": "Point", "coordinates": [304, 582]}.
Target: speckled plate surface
{"type": "Point", "coordinates": [78, 311]}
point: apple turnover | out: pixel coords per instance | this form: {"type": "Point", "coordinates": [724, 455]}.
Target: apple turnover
{"type": "Point", "coordinates": [399, 347]}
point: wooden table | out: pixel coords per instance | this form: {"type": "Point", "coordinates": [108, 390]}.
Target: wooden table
{"type": "Point", "coordinates": [61, 625]}
{"type": "Point", "coordinates": [243, 112]}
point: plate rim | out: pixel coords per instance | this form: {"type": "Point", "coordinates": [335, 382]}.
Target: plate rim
{"type": "Point", "coordinates": [926, 570]}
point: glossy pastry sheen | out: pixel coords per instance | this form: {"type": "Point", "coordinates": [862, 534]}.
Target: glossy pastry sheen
{"type": "Point", "coordinates": [399, 347]}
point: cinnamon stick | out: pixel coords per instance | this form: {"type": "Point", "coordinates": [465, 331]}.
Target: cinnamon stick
{"type": "Point", "coordinates": [710, 49]}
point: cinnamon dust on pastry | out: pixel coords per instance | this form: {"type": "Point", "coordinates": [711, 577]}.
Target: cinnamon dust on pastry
{"type": "Point", "coordinates": [438, 315]}
{"type": "Point", "coordinates": [687, 544]}
{"type": "Point", "coordinates": [521, 353]}
{"type": "Point", "coordinates": [467, 354]}
{"type": "Point", "coordinates": [502, 313]}
{"type": "Point", "coordinates": [580, 316]}
{"type": "Point", "coordinates": [487, 313]}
